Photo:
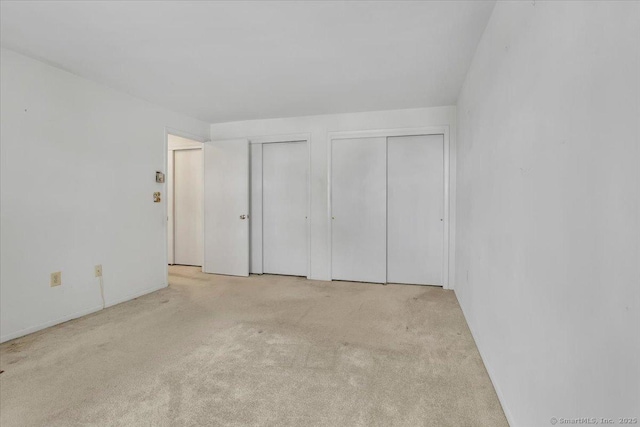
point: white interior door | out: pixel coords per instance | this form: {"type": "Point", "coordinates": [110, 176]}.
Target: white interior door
{"type": "Point", "coordinates": [284, 208]}
{"type": "Point", "coordinates": [187, 211]}
{"type": "Point", "coordinates": [358, 209]}
{"type": "Point", "coordinates": [415, 227]}
{"type": "Point", "coordinates": [226, 207]}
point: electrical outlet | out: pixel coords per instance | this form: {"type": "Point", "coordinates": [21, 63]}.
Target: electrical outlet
{"type": "Point", "coordinates": [56, 278]}
{"type": "Point", "coordinates": [98, 270]}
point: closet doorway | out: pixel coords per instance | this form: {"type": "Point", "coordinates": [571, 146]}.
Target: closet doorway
{"type": "Point", "coordinates": [389, 207]}
{"type": "Point", "coordinates": [185, 201]}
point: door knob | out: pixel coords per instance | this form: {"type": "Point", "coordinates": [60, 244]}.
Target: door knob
{"type": "Point", "coordinates": [243, 217]}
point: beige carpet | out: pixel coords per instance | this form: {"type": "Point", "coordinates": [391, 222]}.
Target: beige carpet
{"type": "Point", "coordinates": [265, 350]}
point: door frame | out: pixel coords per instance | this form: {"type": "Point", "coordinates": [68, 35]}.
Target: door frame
{"type": "Point", "coordinates": [273, 139]}
{"type": "Point", "coordinates": [164, 199]}
{"type": "Point", "coordinates": [171, 199]}
{"type": "Point", "coordinates": [431, 130]}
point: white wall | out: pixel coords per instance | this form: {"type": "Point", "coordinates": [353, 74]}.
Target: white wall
{"type": "Point", "coordinates": [78, 175]}
{"type": "Point", "coordinates": [318, 127]}
{"type": "Point", "coordinates": [547, 211]}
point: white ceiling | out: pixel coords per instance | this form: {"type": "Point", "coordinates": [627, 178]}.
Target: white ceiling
{"type": "Point", "coordinates": [226, 61]}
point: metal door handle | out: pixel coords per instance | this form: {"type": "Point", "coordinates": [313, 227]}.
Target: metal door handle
{"type": "Point", "coordinates": [243, 217]}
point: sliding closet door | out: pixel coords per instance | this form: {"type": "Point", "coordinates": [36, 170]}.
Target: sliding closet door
{"type": "Point", "coordinates": [358, 209]}
{"type": "Point", "coordinates": [284, 208]}
{"type": "Point", "coordinates": [255, 220]}
{"type": "Point", "coordinates": [415, 209]}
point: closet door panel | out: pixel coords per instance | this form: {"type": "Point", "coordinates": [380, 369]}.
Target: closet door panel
{"type": "Point", "coordinates": [358, 209]}
{"type": "Point", "coordinates": [255, 219]}
{"type": "Point", "coordinates": [415, 209]}
{"type": "Point", "coordinates": [284, 207]}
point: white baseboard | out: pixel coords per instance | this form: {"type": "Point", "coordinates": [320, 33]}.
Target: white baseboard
{"type": "Point", "coordinates": [474, 334]}
{"type": "Point", "coordinates": [81, 313]}
{"type": "Point", "coordinates": [36, 328]}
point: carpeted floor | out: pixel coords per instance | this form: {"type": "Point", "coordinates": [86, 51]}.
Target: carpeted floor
{"type": "Point", "coordinates": [265, 350]}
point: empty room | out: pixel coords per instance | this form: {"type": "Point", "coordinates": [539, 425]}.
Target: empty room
{"type": "Point", "coordinates": [319, 213]}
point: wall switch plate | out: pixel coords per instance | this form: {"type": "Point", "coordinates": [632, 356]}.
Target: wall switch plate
{"type": "Point", "coordinates": [56, 278]}
{"type": "Point", "coordinates": [98, 270]}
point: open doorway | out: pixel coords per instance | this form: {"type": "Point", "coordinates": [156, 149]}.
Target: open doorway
{"type": "Point", "coordinates": [184, 201]}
